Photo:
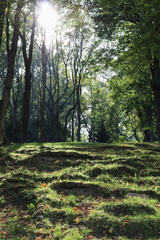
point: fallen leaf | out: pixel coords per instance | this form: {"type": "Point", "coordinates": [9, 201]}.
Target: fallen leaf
{"type": "Point", "coordinates": [56, 162]}
{"type": "Point", "coordinates": [47, 206]}
{"type": "Point", "coordinates": [77, 220]}
{"type": "Point", "coordinates": [91, 236]}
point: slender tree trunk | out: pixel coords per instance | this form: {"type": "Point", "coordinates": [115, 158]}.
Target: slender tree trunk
{"type": "Point", "coordinates": [66, 120]}
{"type": "Point", "coordinates": [155, 70]}
{"type": "Point", "coordinates": [135, 134]}
{"type": "Point", "coordinates": [73, 119]}
{"type": "Point", "coordinates": [26, 103]}
{"type": "Point", "coordinates": [28, 77]}
{"type": "Point", "coordinates": [16, 95]}
{"type": "Point", "coordinates": [147, 136]}
{"type": "Point", "coordinates": [2, 124]}
{"type": "Point", "coordinates": [73, 127]}
{"type": "Point", "coordinates": [2, 13]}
{"type": "Point", "coordinates": [52, 123]}
{"type": "Point", "coordinates": [156, 91]}
{"type": "Point", "coordinates": [56, 124]}
{"type": "Point", "coordinates": [5, 102]}
{"type": "Point", "coordinates": [79, 120]}
{"type": "Point", "coordinates": [10, 73]}
{"type": "Point", "coordinates": [92, 131]}
{"type": "Point", "coordinates": [15, 101]}
{"type": "Point", "coordinates": [42, 124]}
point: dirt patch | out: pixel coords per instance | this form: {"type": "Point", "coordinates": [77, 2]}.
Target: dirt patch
{"type": "Point", "coordinates": [121, 171]}
{"type": "Point", "coordinates": [77, 188]}
{"type": "Point", "coordinates": [5, 161]}
{"type": "Point", "coordinates": [116, 148]}
{"type": "Point", "coordinates": [96, 171]}
{"type": "Point", "coordinates": [53, 161]}
{"type": "Point", "coordinates": [65, 155]}
{"type": "Point", "coordinates": [145, 194]}
{"type": "Point", "coordinates": [153, 147]}
{"type": "Point", "coordinates": [141, 195]}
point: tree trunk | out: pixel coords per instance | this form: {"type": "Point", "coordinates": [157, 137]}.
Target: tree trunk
{"type": "Point", "coordinates": [42, 124]}
{"type": "Point", "coordinates": [2, 13]}
{"type": "Point", "coordinates": [155, 70]}
{"type": "Point", "coordinates": [147, 135]}
{"type": "Point", "coordinates": [135, 135]}
{"type": "Point", "coordinates": [5, 102]}
{"type": "Point", "coordinates": [2, 124]}
{"type": "Point", "coordinates": [28, 77]}
{"type": "Point", "coordinates": [26, 103]}
{"type": "Point", "coordinates": [10, 73]}
{"type": "Point", "coordinates": [15, 102]}
{"type": "Point", "coordinates": [72, 127]}
{"type": "Point", "coordinates": [53, 125]}
{"type": "Point", "coordinates": [156, 91]}
{"type": "Point", "coordinates": [79, 120]}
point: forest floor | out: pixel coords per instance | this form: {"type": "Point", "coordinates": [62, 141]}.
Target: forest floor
{"type": "Point", "coordinates": [80, 191]}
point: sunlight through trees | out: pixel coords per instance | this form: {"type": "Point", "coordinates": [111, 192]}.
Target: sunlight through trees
{"type": "Point", "coordinates": [79, 71]}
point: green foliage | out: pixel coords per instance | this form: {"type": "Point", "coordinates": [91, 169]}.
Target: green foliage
{"type": "Point", "coordinates": [2, 202]}
{"type": "Point", "coordinates": [132, 27]}
{"type": "Point", "coordinates": [132, 92]}
{"type": "Point", "coordinates": [31, 206]}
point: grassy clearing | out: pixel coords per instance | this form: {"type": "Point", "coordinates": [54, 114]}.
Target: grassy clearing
{"type": "Point", "coordinates": [80, 191]}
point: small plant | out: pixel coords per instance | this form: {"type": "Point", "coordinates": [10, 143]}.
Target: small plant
{"type": "Point", "coordinates": [72, 200]}
{"type": "Point", "coordinates": [31, 206]}
{"type": "Point", "coordinates": [2, 202]}
{"type": "Point", "coordinates": [15, 228]}
{"type": "Point", "coordinates": [57, 234]}
{"type": "Point", "coordinates": [73, 233]}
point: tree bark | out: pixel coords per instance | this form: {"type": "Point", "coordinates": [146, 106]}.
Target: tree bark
{"type": "Point", "coordinates": [2, 124]}
{"type": "Point", "coordinates": [155, 70]}
{"type": "Point", "coordinates": [26, 103]}
{"type": "Point", "coordinates": [147, 136]}
{"type": "Point", "coordinates": [2, 13]}
{"type": "Point", "coordinates": [79, 119]}
{"type": "Point", "coordinates": [28, 77]}
{"type": "Point", "coordinates": [156, 91]}
{"type": "Point", "coordinates": [44, 77]}
{"type": "Point", "coordinates": [135, 135]}
{"type": "Point", "coordinates": [11, 52]}
{"type": "Point", "coordinates": [72, 127]}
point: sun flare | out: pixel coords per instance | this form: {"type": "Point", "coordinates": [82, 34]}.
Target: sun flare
{"type": "Point", "coordinates": [47, 20]}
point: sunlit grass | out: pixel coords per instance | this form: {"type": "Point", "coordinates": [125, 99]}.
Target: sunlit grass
{"type": "Point", "coordinates": [80, 191]}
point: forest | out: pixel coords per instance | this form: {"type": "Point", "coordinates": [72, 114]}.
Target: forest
{"type": "Point", "coordinates": [79, 119]}
{"type": "Point", "coordinates": [79, 71]}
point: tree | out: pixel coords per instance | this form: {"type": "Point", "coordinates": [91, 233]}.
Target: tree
{"type": "Point", "coordinates": [2, 15]}
{"type": "Point", "coordinates": [133, 93]}
{"type": "Point", "coordinates": [28, 75]}
{"type": "Point", "coordinates": [136, 26]}
{"type": "Point", "coordinates": [11, 54]}
{"type": "Point", "coordinates": [83, 43]}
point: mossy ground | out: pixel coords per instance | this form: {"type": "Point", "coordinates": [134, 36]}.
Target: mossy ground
{"type": "Point", "coordinates": [80, 191]}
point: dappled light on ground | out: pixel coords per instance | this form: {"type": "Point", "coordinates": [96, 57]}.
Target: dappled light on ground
{"type": "Point", "coordinates": [80, 191]}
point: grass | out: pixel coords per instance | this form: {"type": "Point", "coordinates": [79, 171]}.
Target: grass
{"type": "Point", "coordinates": [80, 191]}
